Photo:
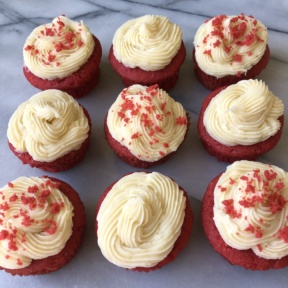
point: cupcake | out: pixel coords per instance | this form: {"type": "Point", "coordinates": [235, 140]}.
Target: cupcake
{"type": "Point", "coordinates": [229, 49]}
{"type": "Point", "coordinates": [241, 121]}
{"type": "Point", "coordinates": [50, 131]}
{"type": "Point", "coordinates": [143, 221]}
{"type": "Point", "coordinates": [42, 222]}
{"type": "Point", "coordinates": [148, 50]}
{"type": "Point", "coordinates": [145, 126]}
{"type": "Point", "coordinates": [62, 55]}
{"type": "Point", "coordinates": [245, 215]}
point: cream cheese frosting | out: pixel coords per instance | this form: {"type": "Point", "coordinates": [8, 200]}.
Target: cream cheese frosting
{"type": "Point", "coordinates": [149, 42]}
{"type": "Point", "coordinates": [57, 49]}
{"type": "Point", "coordinates": [230, 45]}
{"type": "Point", "coordinates": [244, 113]}
{"type": "Point", "coordinates": [251, 208]}
{"type": "Point", "coordinates": [147, 121]}
{"type": "Point", "coordinates": [35, 221]}
{"type": "Point", "coordinates": [140, 219]}
{"type": "Point", "coordinates": [48, 125]}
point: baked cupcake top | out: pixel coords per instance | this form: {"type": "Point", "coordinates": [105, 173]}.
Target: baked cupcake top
{"type": "Point", "coordinates": [35, 221]}
{"type": "Point", "coordinates": [230, 45]}
{"type": "Point", "coordinates": [147, 121]}
{"type": "Point", "coordinates": [149, 42]}
{"type": "Point", "coordinates": [251, 208]}
{"type": "Point", "coordinates": [57, 49]}
{"type": "Point", "coordinates": [243, 114]}
{"type": "Point", "coordinates": [48, 125]}
{"type": "Point", "coordinates": [140, 219]}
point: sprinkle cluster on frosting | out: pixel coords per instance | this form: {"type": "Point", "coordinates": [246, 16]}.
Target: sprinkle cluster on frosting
{"type": "Point", "coordinates": [140, 219]}
{"type": "Point", "coordinates": [244, 113]}
{"type": "Point", "coordinates": [48, 125]}
{"type": "Point", "coordinates": [35, 221]}
{"type": "Point", "coordinates": [147, 121]}
{"type": "Point", "coordinates": [149, 42]}
{"type": "Point", "coordinates": [230, 45]}
{"type": "Point", "coordinates": [58, 49]}
{"type": "Point", "coordinates": [251, 208]}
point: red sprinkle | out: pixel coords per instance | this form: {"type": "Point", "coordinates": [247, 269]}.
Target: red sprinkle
{"type": "Point", "coordinates": [51, 229]}
{"type": "Point", "coordinates": [283, 234]}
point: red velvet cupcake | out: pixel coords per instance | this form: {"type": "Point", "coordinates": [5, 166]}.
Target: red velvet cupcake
{"type": "Point", "coordinates": [42, 225]}
{"type": "Point", "coordinates": [145, 126]}
{"type": "Point", "coordinates": [148, 50]}
{"type": "Point", "coordinates": [62, 55]}
{"type": "Point", "coordinates": [241, 121]}
{"type": "Point", "coordinates": [143, 221]}
{"type": "Point", "coordinates": [50, 131]}
{"type": "Point", "coordinates": [244, 215]}
{"type": "Point", "coordinates": [229, 49]}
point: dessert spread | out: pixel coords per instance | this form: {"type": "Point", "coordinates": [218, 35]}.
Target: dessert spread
{"type": "Point", "coordinates": [147, 121]}
{"type": "Point", "coordinates": [35, 221]}
{"type": "Point", "coordinates": [140, 219]}
{"type": "Point", "coordinates": [57, 49]}
{"type": "Point", "coordinates": [243, 114]}
{"type": "Point", "coordinates": [149, 42]}
{"type": "Point", "coordinates": [48, 125]}
{"type": "Point", "coordinates": [251, 208]}
{"type": "Point", "coordinates": [230, 45]}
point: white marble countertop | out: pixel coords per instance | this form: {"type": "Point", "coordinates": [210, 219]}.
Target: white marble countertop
{"type": "Point", "coordinates": [191, 167]}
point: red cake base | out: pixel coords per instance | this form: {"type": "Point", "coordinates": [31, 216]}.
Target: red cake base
{"type": "Point", "coordinates": [238, 152]}
{"type": "Point", "coordinates": [244, 258]}
{"type": "Point", "coordinates": [212, 83]}
{"type": "Point", "coordinates": [77, 84]}
{"type": "Point", "coordinates": [180, 242]}
{"type": "Point", "coordinates": [166, 78]}
{"type": "Point", "coordinates": [55, 262]}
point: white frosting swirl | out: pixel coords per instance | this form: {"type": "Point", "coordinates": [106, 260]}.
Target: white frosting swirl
{"type": "Point", "coordinates": [58, 49]}
{"type": "Point", "coordinates": [244, 113]}
{"type": "Point", "coordinates": [230, 45]}
{"type": "Point", "coordinates": [48, 125]}
{"type": "Point", "coordinates": [35, 221]}
{"type": "Point", "coordinates": [149, 42]}
{"type": "Point", "coordinates": [251, 208]}
{"type": "Point", "coordinates": [147, 121]}
{"type": "Point", "coordinates": [140, 219]}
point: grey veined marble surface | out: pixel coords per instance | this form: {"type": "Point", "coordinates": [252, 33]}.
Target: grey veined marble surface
{"type": "Point", "coordinates": [192, 168]}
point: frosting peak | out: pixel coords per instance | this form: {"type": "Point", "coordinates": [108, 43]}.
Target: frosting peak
{"type": "Point", "coordinates": [149, 42]}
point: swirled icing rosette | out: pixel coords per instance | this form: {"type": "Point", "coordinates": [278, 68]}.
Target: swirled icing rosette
{"type": "Point", "coordinates": [140, 219]}
{"type": "Point", "coordinates": [149, 42]}
{"type": "Point", "coordinates": [57, 49]}
{"type": "Point", "coordinates": [251, 208]}
{"type": "Point", "coordinates": [244, 113]}
{"type": "Point", "coordinates": [230, 45]}
{"type": "Point", "coordinates": [48, 125]}
{"type": "Point", "coordinates": [147, 121]}
{"type": "Point", "coordinates": [35, 221]}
